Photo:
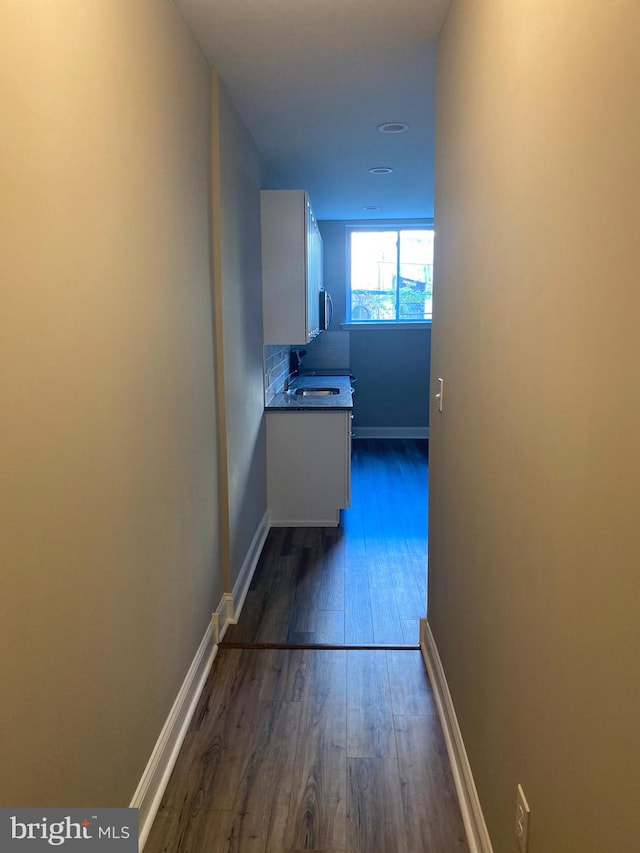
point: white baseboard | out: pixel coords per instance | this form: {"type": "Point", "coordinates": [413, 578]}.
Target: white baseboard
{"type": "Point", "coordinates": [243, 581]}
{"type": "Point", "coordinates": [327, 522]}
{"type": "Point", "coordinates": [222, 617]}
{"type": "Point", "coordinates": [472, 816]}
{"type": "Point", "coordinates": [154, 780]}
{"type": "Point", "coordinates": [156, 775]}
{"type": "Point", "coordinates": [391, 432]}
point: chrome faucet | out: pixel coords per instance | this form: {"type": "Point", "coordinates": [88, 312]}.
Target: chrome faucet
{"type": "Point", "coordinates": [290, 379]}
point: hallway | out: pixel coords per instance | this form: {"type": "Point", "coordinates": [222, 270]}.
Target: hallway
{"type": "Point", "coordinates": [312, 750]}
{"type": "Point", "coordinates": [337, 749]}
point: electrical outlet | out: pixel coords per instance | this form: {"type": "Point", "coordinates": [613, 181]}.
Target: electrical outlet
{"type": "Point", "coordinates": [522, 820]}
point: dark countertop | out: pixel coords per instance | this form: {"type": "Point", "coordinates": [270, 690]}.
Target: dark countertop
{"type": "Point", "coordinates": [335, 371]}
{"type": "Point", "coordinates": [288, 402]}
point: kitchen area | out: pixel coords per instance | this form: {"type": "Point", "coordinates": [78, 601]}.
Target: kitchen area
{"type": "Point", "coordinates": [315, 360]}
{"type": "Point", "coordinates": [308, 416]}
{"type": "Point", "coordinates": [344, 562]}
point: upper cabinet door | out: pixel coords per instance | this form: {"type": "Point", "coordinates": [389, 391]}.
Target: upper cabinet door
{"type": "Point", "coordinates": [290, 261]}
{"type": "Point", "coordinates": [314, 274]}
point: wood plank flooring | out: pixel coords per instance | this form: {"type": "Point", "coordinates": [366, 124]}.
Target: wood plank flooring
{"type": "Point", "coordinates": [307, 750]}
{"type": "Point", "coordinates": [361, 583]}
{"type": "Point", "coordinates": [334, 751]}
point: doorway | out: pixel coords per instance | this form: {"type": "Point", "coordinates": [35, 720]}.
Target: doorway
{"type": "Point", "coordinates": [361, 584]}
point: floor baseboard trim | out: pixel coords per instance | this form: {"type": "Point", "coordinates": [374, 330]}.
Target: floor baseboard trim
{"type": "Point", "coordinates": [245, 576]}
{"type": "Point", "coordinates": [391, 432]}
{"type": "Point", "coordinates": [472, 816]}
{"type": "Point", "coordinates": [326, 522]}
{"type": "Point", "coordinates": [324, 647]}
{"type": "Point", "coordinates": [156, 775]}
{"type": "Point", "coordinates": [223, 616]}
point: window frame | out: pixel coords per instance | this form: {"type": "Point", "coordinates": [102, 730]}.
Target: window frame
{"type": "Point", "coordinates": [382, 226]}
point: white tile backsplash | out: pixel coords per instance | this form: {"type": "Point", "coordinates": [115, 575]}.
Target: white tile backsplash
{"type": "Point", "coordinates": [276, 369]}
{"type": "Point", "coordinates": [328, 351]}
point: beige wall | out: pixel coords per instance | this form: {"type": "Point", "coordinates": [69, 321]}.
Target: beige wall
{"type": "Point", "coordinates": [240, 280]}
{"type": "Point", "coordinates": [108, 502]}
{"type": "Point", "coordinates": [535, 481]}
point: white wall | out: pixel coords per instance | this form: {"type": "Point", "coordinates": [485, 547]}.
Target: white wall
{"type": "Point", "coordinates": [111, 492]}
{"type": "Point", "coordinates": [241, 290]}
{"type": "Point", "coordinates": [534, 547]}
{"type": "Point", "coordinates": [108, 498]}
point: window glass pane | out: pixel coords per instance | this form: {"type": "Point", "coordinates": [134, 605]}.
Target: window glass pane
{"type": "Point", "coordinates": [384, 286]}
{"type": "Point", "coordinates": [416, 274]}
{"type": "Point", "coordinates": [374, 268]}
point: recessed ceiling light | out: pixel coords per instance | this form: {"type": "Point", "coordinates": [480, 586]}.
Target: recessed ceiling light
{"type": "Point", "coordinates": [381, 170]}
{"type": "Point", "coordinates": [371, 207]}
{"type": "Point", "coordinates": [393, 127]}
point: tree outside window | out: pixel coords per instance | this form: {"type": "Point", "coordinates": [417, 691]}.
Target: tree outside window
{"type": "Point", "coordinates": [391, 274]}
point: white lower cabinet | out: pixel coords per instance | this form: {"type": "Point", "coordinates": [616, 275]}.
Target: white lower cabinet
{"type": "Point", "coordinates": [308, 467]}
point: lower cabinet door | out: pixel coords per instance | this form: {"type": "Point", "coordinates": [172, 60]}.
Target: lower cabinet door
{"type": "Point", "coordinates": [308, 467]}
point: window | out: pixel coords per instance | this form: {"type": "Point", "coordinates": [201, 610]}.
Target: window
{"type": "Point", "coordinates": [391, 274]}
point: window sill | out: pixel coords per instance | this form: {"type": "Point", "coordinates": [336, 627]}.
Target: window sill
{"type": "Point", "coordinates": [377, 325]}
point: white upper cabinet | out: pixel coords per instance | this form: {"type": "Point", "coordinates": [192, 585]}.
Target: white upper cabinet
{"type": "Point", "coordinates": [291, 267]}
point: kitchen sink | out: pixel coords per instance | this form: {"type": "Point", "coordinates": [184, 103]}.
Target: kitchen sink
{"type": "Point", "coordinates": [315, 392]}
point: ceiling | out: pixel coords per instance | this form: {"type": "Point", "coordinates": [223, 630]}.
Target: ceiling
{"type": "Point", "coordinates": [313, 80]}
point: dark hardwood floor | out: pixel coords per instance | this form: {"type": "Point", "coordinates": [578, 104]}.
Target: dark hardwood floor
{"type": "Point", "coordinates": [361, 583]}
{"type": "Point", "coordinates": [340, 750]}
{"type": "Point", "coordinates": [291, 750]}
